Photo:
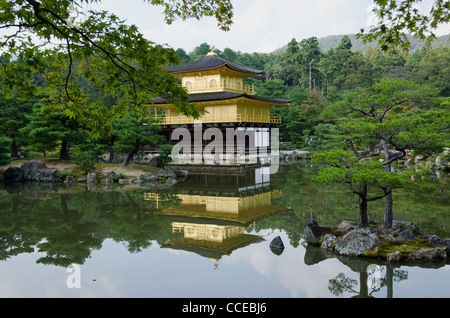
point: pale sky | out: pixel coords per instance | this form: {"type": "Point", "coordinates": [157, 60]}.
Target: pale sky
{"type": "Point", "coordinates": [259, 25]}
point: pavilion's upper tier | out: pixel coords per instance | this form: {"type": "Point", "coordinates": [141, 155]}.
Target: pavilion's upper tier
{"type": "Point", "coordinates": [214, 74]}
{"type": "Point", "coordinates": [210, 63]}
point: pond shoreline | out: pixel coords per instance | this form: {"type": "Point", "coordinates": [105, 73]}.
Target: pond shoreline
{"type": "Point", "coordinates": [57, 171]}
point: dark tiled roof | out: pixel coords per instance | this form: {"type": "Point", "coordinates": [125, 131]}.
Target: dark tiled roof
{"type": "Point", "coordinates": [211, 62]}
{"type": "Point", "coordinates": [205, 97]}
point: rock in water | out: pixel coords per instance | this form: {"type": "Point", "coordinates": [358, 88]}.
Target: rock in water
{"type": "Point", "coordinates": [12, 175]}
{"type": "Point", "coordinates": [70, 180]}
{"type": "Point", "coordinates": [181, 173]}
{"type": "Point", "coordinates": [92, 178]}
{"type": "Point", "coordinates": [277, 246]}
{"type": "Point", "coordinates": [394, 257]}
{"type": "Point", "coordinates": [328, 241]}
{"type": "Point", "coordinates": [313, 232]}
{"type": "Point", "coordinates": [430, 254]}
{"type": "Point", "coordinates": [165, 173]}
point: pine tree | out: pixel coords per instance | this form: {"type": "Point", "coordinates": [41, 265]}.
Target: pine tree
{"type": "Point", "coordinates": [132, 133]}
{"type": "Point", "coordinates": [5, 158]}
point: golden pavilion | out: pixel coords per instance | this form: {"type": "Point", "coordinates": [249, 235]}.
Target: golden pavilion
{"type": "Point", "coordinates": [217, 87]}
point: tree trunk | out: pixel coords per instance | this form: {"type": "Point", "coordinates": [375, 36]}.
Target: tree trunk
{"type": "Point", "coordinates": [352, 147]}
{"type": "Point", "coordinates": [310, 76]}
{"type": "Point", "coordinates": [14, 149]}
{"type": "Point", "coordinates": [363, 219]}
{"type": "Point", "coordinates": [131, 154]}
{"type": "Point", "coordinates": [363, 288]}
{"type": "Point", "coordinates": [112, 153]}
{"type": "Point", "coordinates": [388, 211]}
{"type": "Point", "coordinates": [64, 152]}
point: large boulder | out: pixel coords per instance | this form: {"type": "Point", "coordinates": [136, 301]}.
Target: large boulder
{"type": "Point", "coordinates": [153, 160]}
{"type": "Point", "coordinates": [165, 173]}
{"type": "Point", "coordinates": [344, 227]}
{"type": "Point", "coordinates": [394, 256]}
{"type": "Point", "coordinates": [35, 170]}
{"type": "Point", "coordinates": [357, 242]}
{"type": "Point", "coordinates": [31, 169]}
{"type": "Point", "coordinates": [181, 173]}
{"type": "Point", "coordinates": [48, 175]}
{"type": "Point", "coordinates": [12, 175]}
{"type": "Point", "coordinates": [428, 254]}
{"type": "Point", "coordinates": [405, 234]}
{"type": "Point", "coordinates": [147, 177]}
{"type": "Point", "coordinates": [407, 225]}
{"type": "Point", "coordinates": [438, 242]}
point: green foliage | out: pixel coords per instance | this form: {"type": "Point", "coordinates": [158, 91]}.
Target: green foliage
{"type": "Point", "coordinates": [401, 113]}
{"type": "Point", "coordinates": [86, 154]}
{"type": "Point", "coordinates": [271, 89]}
{"type": "Point", "coordinates": [301, 120]}
{"type": "Point", "coordinates": [63, 175]}
{"type": "Point", "coordinates": [366, 178]}
{"type": "Point", "coordinates": [130, 130]}
{"type": "Point", "coordinates": [394, 113]}
{"type": "Point", "coordinates": [325, 137]}
{"type": "Point", "coordinates": [133, 132]}
{"type": "Point", "coordinates": [13, 116]}
{"type": "Point", "coordinates": [46, 131]}
{"type": "Point", "coordinates": [118, 176]}
{"type": "Point", "coordinates": [397, 19]}
{"type": "Point", "coordinates": [4, 151]}
{"type": "Point", "coordinates": [93, 49]}
{"type": "Point", "coordinates": [222, 10]}
{"type": "Point", "coordinates": [433, 66]}
{"type": "Point", "coordinates": [164, 155]}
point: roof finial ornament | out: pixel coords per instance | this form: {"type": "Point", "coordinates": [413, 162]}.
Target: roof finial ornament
{"type": "Point", "coordinates": [212, 47]}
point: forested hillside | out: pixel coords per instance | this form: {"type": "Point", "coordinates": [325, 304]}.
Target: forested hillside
{"type": "Point", "coordinates": [332, 41]}
{"type": "Point", "coordinates": [314, 77]}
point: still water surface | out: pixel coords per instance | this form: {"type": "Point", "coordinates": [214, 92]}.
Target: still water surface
{"type": "Point", "coordinates": [208, 236]}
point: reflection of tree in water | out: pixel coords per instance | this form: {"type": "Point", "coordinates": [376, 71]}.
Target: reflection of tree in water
{"type": "Point", "coordinates": [66, 238]}
{"type": "Point", "coordinates": [136, 222]}
{"type": "Point", "coordinates": [12, 241]}
{"type": "Point", "coordinates": [67, 227]}
{"type": "Point", "coordinates": [342, 284]}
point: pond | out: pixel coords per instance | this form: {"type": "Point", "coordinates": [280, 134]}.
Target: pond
{"type": "Point", "coordinates": [206, 237]}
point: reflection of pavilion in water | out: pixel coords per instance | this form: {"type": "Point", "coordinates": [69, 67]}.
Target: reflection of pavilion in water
{"type": "Point", "coordinates": [217, 207]}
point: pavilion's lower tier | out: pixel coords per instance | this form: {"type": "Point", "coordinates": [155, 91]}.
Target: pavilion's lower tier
{"type": "Point", "coordinates": [222, 144]}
